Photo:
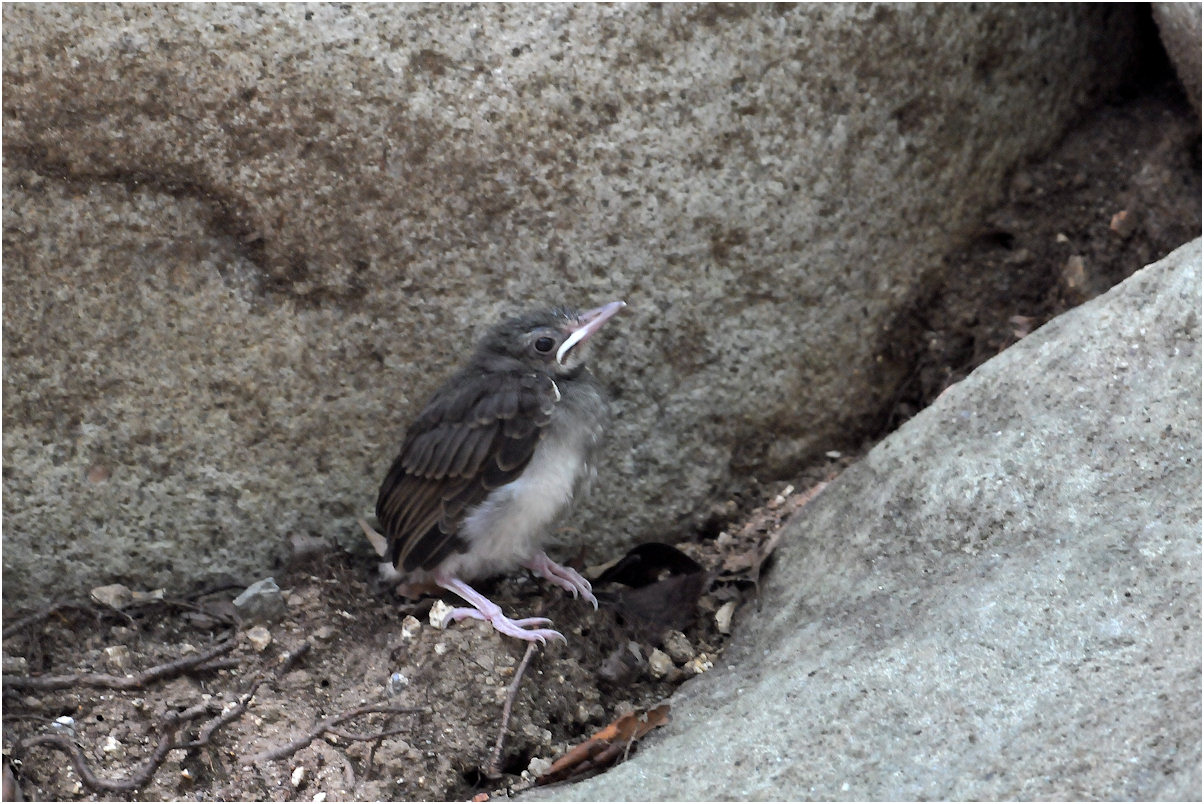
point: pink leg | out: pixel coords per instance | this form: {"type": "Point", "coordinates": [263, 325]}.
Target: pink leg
{"type": "Point", "coordinates": [485, 609]}
{"type": "Point", "coordinates": [564, 577]}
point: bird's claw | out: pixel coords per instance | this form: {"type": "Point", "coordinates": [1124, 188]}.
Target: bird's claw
{"type": "Point", "coordinates": [519, 629]}
{"type": "Point", "coordinates": [566, 578]}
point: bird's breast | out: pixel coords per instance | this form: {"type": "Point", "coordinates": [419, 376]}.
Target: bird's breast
{"type": "Point", "coordinates": [509, 525]}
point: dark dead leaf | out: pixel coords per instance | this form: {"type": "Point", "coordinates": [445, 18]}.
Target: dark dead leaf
{"type": "Point", "coordinates": [666, 584]}
{"type": "Point", "coordinates": [670, 603]}
{"type": "Point", "coordinates": [647, 563]}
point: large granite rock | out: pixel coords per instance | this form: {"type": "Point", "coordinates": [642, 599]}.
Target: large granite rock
{"type": "Point", "coordinates": [1179, 26]}
{"type": "Point", "coordinates": [244, 242]}
{"type": "Point", "coordinates": [1002, 601]}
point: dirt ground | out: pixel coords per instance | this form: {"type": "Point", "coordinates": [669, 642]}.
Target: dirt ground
{"type": "Point", "coordinates": [358, 696]}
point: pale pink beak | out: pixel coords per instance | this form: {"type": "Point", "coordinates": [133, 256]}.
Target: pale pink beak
{"type": "Point", "coordinates": [591, 322]}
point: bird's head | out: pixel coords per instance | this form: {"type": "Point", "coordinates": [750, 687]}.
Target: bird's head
{"type": "Point", "coordinates": [553, 340]}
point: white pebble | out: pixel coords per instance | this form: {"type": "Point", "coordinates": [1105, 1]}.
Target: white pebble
{"type": "Point", "coordinates": [260, 638]}
{"type": "Point", "coordinates": [439, 613]}
{"type": "Point", "coordinates": [723, 617]}
{"type": "Point", "coordinates": [659, 663]}
{"type": "Point", "coordinates": [118, 657]}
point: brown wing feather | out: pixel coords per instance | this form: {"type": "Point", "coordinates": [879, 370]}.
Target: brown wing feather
{"type": "Point", "coordinates": [477, 433]}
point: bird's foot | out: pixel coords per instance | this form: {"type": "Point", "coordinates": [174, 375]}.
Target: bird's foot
{"type": "Point", "coordinates": [564, 577]}
{"type": "Point", "coordinates": [483, 608]}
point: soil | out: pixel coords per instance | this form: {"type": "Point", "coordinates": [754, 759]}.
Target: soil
{"type": "Point", "coordinates": [1121, 190]}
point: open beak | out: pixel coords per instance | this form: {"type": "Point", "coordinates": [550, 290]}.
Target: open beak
{"type": "Point", "coordinates": [591, 322]}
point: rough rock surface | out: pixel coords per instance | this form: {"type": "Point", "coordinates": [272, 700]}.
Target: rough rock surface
{"type": "Point", "coordinates": [244, 242]}
{"type": "Point", "coordinates": [1179, 26]}
{"type": "Point", "coordinates": [1002, 601]}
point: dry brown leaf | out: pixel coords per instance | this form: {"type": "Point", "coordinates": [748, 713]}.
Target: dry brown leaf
{"type": "Point", "coordinates": [756, 541]}
{"type": "Point", "coordinates": [606, 746]}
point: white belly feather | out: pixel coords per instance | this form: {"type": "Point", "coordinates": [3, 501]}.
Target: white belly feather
{"type": "Point", "coordinates": [512, 522]}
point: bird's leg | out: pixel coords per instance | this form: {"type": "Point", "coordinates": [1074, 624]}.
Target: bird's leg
{"type": "Point", "coordinates": [564, 577]}
{"type": "Point", "coordinates": [482, 608]}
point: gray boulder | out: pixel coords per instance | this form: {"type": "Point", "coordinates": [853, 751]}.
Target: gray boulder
{"type": "Point", "coordinates": [244, 242]}
{"type": "Point", "coordinates": [1179, 27]}
{"type": "Point", "coordinates": [1001, 601]}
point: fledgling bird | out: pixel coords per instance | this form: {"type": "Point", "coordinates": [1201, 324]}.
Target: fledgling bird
{"type": "Point", "coordinates": [494, 458]}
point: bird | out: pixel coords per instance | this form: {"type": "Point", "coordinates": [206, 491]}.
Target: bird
{"type": "Point", "coordinates": [494, 459]}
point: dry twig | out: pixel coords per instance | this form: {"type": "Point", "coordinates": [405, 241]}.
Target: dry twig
{"type": "Point", "coordinates": [329, 725]}
{"type": "Point", "coordinates": [141, 777]}
{"type": "Point", "coordinates": [197, 663]}
{"type": "Point", "coordinates": [45, 613]}
{"type": "Point", "coordinates": [494, 771]}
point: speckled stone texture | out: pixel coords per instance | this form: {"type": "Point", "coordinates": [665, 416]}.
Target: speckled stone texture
{"type": "Point", "coordinates": [243, 243]}
{"type": "Point", "coordinates": [1002, 601]}
{"type": "Point", "coordinates": [1179, 27]}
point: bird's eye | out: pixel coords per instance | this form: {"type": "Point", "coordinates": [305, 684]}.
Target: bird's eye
{"type": "Point", "coordinates": [544, 345]}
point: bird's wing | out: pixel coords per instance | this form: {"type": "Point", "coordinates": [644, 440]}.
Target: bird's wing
{"type": "Point", "coordinates": [477, 433]}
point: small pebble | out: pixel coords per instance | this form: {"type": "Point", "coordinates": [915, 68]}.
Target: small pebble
{"type": "Point", "coordinates": [111, 746]}
{"type": "Point", "coordinates": [410, 627]}
{"type": "Point", "coordinates": [723, 617]}
{"type": "Point", "coordinates": [15, 666]}
{"type": "Point", "coordinates": [397, 682]}
{"type": "Point", "coordinates": [833, 454]}
{"type": "Point", "coordinates": [260, 638]}
{"type": "Point", "coordinates": [325, 633]}
{"type": "Point", "coordinates": [678, 647]}
{"type": "Point", "coordinates": [298, 777]}
{"type": "Point", "coordinates": [620, 666]}
{"type": "Point", "coordinates": [115, 595]}
{"type": "Point", "coordinates": [540, 735]}
{"type": "Point", "coordinates": [1074, 272]}
{"type": "Point", "coordinates": [538, 766]}
{"type": "Point", "coordinates": [659, 663]}
{"type": "Point", "coordinates": [118, 657]}
{"type": "Point", "coordinates": [698, 665]}
{"type": "Point", "coordinates": [439, 612]}
{"type": "Point", "coordinates": [1123, 223]}
{"type": "Point", "coordinates": [64, 725]}
{"type": "Point", "coordinates": [302, 546]}
{"type": "Point", "coordinates": [319, 797]}
{"type": "Point", "coordinates": [262, 601]}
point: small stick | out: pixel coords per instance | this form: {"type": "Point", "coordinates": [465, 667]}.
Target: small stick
{"type": "Point", "coordinates": [290, 659]}
{"type": "Point", "coordinates": [227, 716]}
{"type": "Point", "coordinates": [494, 771]}
{"type": "Point", "coordinates": [323, 726]}
{"type": "Point", "coordinates": [106, 681]}
{"type": "Point", "coordinates": [44, 613]}
{"type": "Point", "coordinates": [352, 737]}
{"type": "Point", "coordinates": [141, 777]}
